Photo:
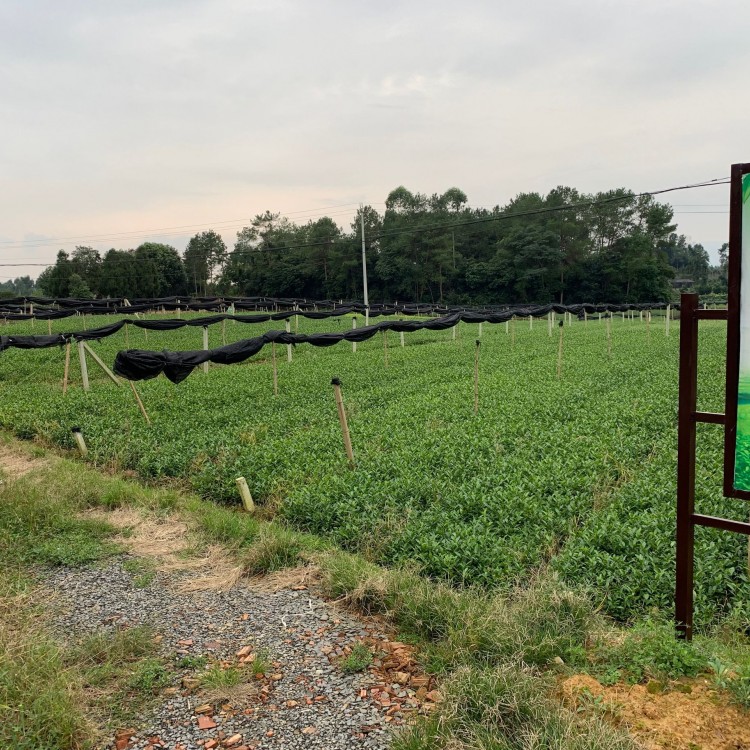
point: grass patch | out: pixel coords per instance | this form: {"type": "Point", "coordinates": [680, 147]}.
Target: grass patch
{"type": "Point", "coordinates": [261, 664]}
{"type": "Point", "coordinates": [192, 662]}
{"type": "Point", "coordinates": [40, 694]}
{"type": "Point", "coordinates": [39, 527]}
{"type": "Point", "coordinates": [507, 708]}
{"type": "Point", "coordinates": [216, 677]}
{"type": "Point", "coordinates": [142, 571]}
{"type": "Point", "coordinates": [358, 660]}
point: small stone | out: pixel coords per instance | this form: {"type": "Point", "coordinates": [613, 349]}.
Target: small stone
{"type": "Point", "coordinates": [233, 740]}
{"type": "Point", "coordinates": [206, 708]}
{"type": "Point", "coordinates": [309, 730]}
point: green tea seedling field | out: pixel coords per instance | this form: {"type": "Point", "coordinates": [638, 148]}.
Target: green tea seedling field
{"type": "Point", "coordinates": [576, 473]}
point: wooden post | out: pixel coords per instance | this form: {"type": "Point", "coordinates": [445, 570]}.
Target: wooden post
{"type": "Point", "coordinates": [506, 327]}
{"type": "Point", "coordinates": [385, 347]}
{"type": "Point", "coordinates": [609, 336]}
{"type": "Point", "coordinates": [288, 327]}
{"type": "Point", "coordinates": [531, 322]}
{"type": "Point", "coordinates": [67, 368]}
{"type": "Point", "coordinates": [84, 367]}
{"type": "Point", "coordinates": [549, 323]}
{"type": "Point", "coordinates": [354, 328]}
{"type": "Point", "coordinates": [247, 498]}
{"type": "Point", "coordinates": [49, 327]}
{"type": "Point", "coordinates": [139, 402]}
{"type": "Point", "coordinates": [513, 331]}
{"type": "Point", "coordinates": [666, 322]}
{"type": "Point", "coordinates": [101, 364]}
{"type": "Point", "coordinates": [454, 331]}
{"type": "Point", "coordinates": [336, 383]}
{"type": "Point", "coordinates": [476, 378]}
{"type": "Point", "coordinates": [80, 442]}
{"type": "Point", "coordinates": [127, 335]}
{"type": "Point", "coordinates": [402, 338]}
{"type": "Point", "coordinates": [205, 348]}
{"type": "Point", "coordinates": [224, 332]}
{"type": "Point", "coordinates": [275, 372]}
{"type": "Point", "coordinates": [560, 351]}
{"type": "Point", "coordinates": [648, 325]}
{"type": "Point", "coordinates": [585, 318]}
{"type": "Point", "coordinates": [480, 329]}
{"type": "Point", "coordinates": [570, 319]}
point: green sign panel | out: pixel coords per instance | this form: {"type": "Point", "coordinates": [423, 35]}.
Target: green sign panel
{"type": "Point", "coordinates": [742, 451]}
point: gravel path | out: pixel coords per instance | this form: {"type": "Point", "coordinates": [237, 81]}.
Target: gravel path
{"type": "Point", "coordinates": [306, 701]}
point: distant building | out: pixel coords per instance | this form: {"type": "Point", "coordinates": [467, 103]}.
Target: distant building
{"type": "Point", "coordinates": [682, 283]}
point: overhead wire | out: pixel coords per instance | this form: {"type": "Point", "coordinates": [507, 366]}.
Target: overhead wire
{"type": "Point", "coordinates": [495, 216]}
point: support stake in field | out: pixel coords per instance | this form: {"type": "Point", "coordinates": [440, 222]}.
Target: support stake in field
{"type": "Point", "coordinates": [245, 496]}
{"type": "Point", "coordinates": [80, 442]}
{"type": "Point", "coordinates": [560, 351]}
{"type": "Point", "coordinates": [67, 368]}
{"type": "Point", "coordinates": [139, 402]}
{"type": "Point", "coordinates": [336, 383]}
{"type": "Point", "coordinates": [476, 378]}
{"type": "Point", "coordinates": [84, 366]}
{"type": "Point", "coordinates": [205, 348]}
{"type": "Point", "coordinates": [385, 347]}
{"type": "Point", "coordinates": [275, 371]}
{"type": "Point", "coordinates": [101, 364]}
{"type": "Point", "coordinates": [354, 328]}
{"type": "Point", "coordinates": [288, 327]}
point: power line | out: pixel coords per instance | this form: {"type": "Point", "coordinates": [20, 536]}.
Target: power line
{"type": "Point", "coordinates": [470, 222]}
{"type": "Point", "coordinates": [21, 244]}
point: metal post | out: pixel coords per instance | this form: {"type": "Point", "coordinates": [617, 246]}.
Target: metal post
{"type": "Point", "coordinates": [364, 267]}
{"type": "Point", "coordinates": [688, 397]}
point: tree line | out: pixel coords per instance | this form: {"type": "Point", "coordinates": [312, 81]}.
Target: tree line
{"type": "Point", "coordinates": [565, 246]}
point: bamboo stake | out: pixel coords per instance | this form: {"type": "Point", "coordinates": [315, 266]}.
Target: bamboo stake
{"type": "Point", "coordinates": [224, 332]}
{"type": "Point", "coordinates": [127, 335]}
{"type": "Point", "coordinates": [531, 322]}
{"type": "Point", "coordinates": [513, 331]}
{"type": "Point", "coordinates": [401, 336]}
{"type": "Point", "coordinates": [549, 323]}
{"type": "Point", "coordinates": [84, 367]}
{"type": "Point", "coordinates": [648, 325]}
{"type": "Point", "coordinates": [560, 351]}
{"type": "Point", "coordinates": [385, 347]}
{"type": "Point", "coordinates": [67, 368]}
{"type": "Point", "coordinates": [288, 327]}
{"type": "Point", "coordinates": [101, 364]}
{"type": "Point", "coordinates": [80, 442]}
{"type": "Point", "coordinates": [666, 322]}
{"type": "Point", "coordinates": [49, 327]}
{"type": "Point", "coordinates": [609, 336]}
{"type": "Point", "coordinates": [246, 497]}
{"type": "Point", "coordinates": [480, 329]}
{"type": "Point", "coordinates": [354, 328]}
{"type": "Point", "coordinates": [205, 348]}
{"type": "Point", "coordinates": [506, 327]}
{"type": "Point", "coordinates": [585, 318]}
{"type": "Point", "coordinates": [336, 383]}
{"type": "Point", "coordinates": [275, 372]}
{"type": "Point", "coordinates": [140, 403]}
{"type": "Point", "coordinates": [454, 331]}
{"type": "Point", "coordinates": [476, 378]}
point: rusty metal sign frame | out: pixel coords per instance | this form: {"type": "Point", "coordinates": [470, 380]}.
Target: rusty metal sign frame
{"type": "Point", "coordinates": [689, 416]}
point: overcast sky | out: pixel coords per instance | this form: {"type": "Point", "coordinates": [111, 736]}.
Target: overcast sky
{"type": "Point", "coordinates": [154, 119]}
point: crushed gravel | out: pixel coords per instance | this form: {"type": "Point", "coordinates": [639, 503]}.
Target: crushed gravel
{"type": "Point", "coordinates": [306, 702]}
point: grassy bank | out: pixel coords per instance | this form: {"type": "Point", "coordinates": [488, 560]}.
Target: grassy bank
{"type": "Point", "coordinates": [498, 655]}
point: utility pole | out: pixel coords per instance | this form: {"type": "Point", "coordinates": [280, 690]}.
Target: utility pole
{"type": "Point", "coordinates": [364, 266]}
